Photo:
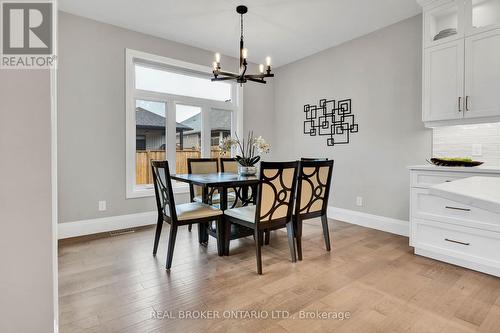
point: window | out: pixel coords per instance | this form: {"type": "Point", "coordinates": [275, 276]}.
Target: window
{"type": "Point", "coordinates": [188, 128]}
{"type": "Point", "coordinates": [174, 112]}
{"type": "Point", "coordinates": [163, 81]}
{"type": "Point", "coordinates": [220, 128]}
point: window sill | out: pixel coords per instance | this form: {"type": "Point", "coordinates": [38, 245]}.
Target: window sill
{"type": "Point", "coordinates": [149, 191]}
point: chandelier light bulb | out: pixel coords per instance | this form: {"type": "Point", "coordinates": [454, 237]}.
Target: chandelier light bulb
{"type": "Point", "coordinates": [268, 61]}
{"type": "Point", "coordinates": [217, 57]}
{"type": "Point", "coordinates": [244, 53]}
{"type": "Point", "coordinates": [214, 64]}
{"type": "Point", "coordinates": [261, 68]}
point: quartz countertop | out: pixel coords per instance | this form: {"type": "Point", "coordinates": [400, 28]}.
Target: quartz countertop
{"type": "Point", "coordinates": [480, 192]}
{"type": "Point", "coordinates": [478, 169]}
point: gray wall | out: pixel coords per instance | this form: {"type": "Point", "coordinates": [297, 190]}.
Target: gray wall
{"type": "Point", "coordinates": [26, 281]}
{"type": "Point", "coordinates": [91, 110]}
{"type": "Point", "coordinates": [382, 73]}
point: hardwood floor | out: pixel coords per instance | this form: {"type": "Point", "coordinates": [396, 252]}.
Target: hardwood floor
{"type": "Point", "coordinates": [114, 285]}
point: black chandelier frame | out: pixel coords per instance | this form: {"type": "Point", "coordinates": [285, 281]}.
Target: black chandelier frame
{"type": "Point", "coordinates": [241, 77]}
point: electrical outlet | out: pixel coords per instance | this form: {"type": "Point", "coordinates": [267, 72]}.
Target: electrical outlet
{"type": "Point", "coordinates": [477, 149]}
{"type": "Point", "coordinates": [102, 206]}
{"type": "Point", "coordinates": [359, 201]}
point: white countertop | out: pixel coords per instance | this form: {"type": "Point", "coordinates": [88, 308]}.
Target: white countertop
{"type": "Point", "coordinates": [478, 169]}
{"type": "Point", "coordinates": [480, 192]}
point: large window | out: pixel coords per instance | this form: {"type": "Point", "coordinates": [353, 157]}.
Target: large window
{"type": "Point", "coordinates": [174, 112]}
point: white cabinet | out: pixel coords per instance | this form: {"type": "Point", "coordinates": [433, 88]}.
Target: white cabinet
{"type": "Point", "coordinates": [443, 81]}
{"type": "Point", "coordinates": [482, 75]}
{"type": "Point", "coordinates": [452, 231]}
{"type": "Point", "coordinates": [461, 67]}
{"type": "Point", "coordinates": [443, 22]}
{"type": "Point", "coordinates": [481, 16]}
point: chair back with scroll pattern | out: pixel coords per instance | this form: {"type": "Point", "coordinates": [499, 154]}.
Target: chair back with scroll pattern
{"type": "Point", "coordinates": [201, 166]}
{"type": "Point", "coordinates": [276, 191]}
{"type": "Point", "coordinates": [313, 187]}
{"type": "Point", "coordinates": [165, 201]}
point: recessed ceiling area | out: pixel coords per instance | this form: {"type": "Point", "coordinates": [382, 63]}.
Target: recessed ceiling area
{"type": "Point", "coordinates": [286, 30]}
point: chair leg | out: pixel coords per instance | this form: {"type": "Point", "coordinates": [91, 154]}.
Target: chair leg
{"type": "Point", "coordinates": [258, 250]}
{"type": "Point", "coordinates": [190, 227]}
{"type": "Point", "coordinates": [159, 225]}
{"type": "Point", "coordinates": [202, 233]}
{"type": "Point", "coordinates": [227, 235]}
{"type": "Point", "coordinates": [268, 237]}
{"type": "Point", "coordinates": [291, 241]}
{"type": "Point", "coordinates": [326, 234]}
{"type": "Point", "coordinates": [220, 236]}
{"type": "Point", "coordinates": [298, 236]}
{"type": "Point", "coordinates": [171, 245]}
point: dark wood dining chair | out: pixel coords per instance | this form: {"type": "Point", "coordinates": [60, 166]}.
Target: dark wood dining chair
{"type": "Point", "coordinates": [274, 208]}
{"type": "Point", "coordinates": [268, 234]}
{"type": "Point", "coordinates": [313, 190]}
{"type": "Point", "coordinates": [228, 165]}
{"type": "Point", "coordinates": [201, 166]}
{"type": "Point", "coordinates": [177, 215]}
{"type": "Point", "coordinates": [313, 159]}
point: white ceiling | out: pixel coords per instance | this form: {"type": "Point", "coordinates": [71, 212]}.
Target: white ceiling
{"type": "Point", "coordinates": [287, 30]}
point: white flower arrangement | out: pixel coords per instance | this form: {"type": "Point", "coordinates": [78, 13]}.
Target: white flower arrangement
{"type": "Point", "coordinates": [250, 150]}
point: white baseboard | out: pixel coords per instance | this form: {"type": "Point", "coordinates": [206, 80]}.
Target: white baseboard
{"type": "Point", "coordinates": [105, 224]}
{"type": "Point", "coordinates": [387, 224]}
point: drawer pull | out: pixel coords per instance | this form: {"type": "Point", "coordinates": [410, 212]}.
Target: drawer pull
{"type": "Point", "coordinates": [456, 242]}
{"type": "Point", "coordinates": [458, 208]}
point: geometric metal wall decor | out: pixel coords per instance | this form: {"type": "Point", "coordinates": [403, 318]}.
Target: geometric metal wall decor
{"type": "Point", "coordinates": [330, 118]}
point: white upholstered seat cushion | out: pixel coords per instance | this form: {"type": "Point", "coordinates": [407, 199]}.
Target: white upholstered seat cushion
{"type": "Point", "coordinates": [195, 210]}
{"type": "Point", "coordinates": [246, 213]}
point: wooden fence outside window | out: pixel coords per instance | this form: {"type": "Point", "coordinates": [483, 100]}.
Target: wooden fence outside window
{"type": "Point", "coordinates": [143, 160]}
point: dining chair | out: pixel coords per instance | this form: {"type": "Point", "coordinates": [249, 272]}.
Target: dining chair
{"type": "Point", "coordinates": [228, 165]}
{"type": "Point", "coordinates": [313, 189]}
{"type": "Point", "coordinates": [313, 159]}
{"type": "Point", "coordinates": [201, 166]}
{"type": "Point", "coordinates": [268, 234]}
{"type": "Point", "coordinates": [177, 215]}
{"type": "Point", "coordinates": [274, 207]}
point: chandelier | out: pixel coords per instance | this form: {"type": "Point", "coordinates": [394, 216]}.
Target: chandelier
{"type": "Point", "coordinates": [241, 77]}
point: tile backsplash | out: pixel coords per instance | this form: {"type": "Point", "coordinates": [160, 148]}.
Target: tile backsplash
{"type": "Point", "coordinates": [480, 142]}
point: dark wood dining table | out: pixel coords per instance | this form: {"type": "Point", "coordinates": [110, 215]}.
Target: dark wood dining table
{"type": "Point", "coordinates": [223, 182]}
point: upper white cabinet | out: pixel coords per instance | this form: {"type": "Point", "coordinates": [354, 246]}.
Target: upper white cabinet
{"type": "Point", "coordinates": [461, 67]}
{"type": "Point", "coordinates": [444, 81]}
{"type": "Point", "coordinates": [481, 15]}
{"type": "Point", "coordinates": [482, 75]}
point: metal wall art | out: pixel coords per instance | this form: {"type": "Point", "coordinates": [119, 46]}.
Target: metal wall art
{"type": "Point", "coordinates": [330, 118]}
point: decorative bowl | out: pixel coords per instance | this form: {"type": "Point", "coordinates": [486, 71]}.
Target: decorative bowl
{"type": "Point", "coordinates": [454, 163]}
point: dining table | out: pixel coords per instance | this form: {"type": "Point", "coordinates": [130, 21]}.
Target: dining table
{"type": "Point", "coordinates": [243, 192]}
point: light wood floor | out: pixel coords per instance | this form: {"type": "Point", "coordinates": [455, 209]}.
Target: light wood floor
{"type": "Point", "coordinates": [113, 285]}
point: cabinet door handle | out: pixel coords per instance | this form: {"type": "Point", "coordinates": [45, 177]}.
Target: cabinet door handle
{"type": "Point", "coordinates": [458, 208]}
{"type": "Point", "coordinates": [456, 242]}
{"type": "Point", "coordinates": [460, 104]}
{"type": "Point", "coordinates": [466, 103]}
